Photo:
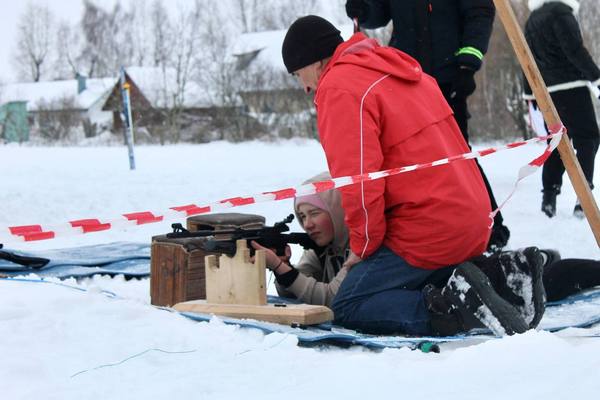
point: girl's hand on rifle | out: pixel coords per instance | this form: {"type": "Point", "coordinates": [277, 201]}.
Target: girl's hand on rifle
{"type": "Point", "coordinates": [277, 264]}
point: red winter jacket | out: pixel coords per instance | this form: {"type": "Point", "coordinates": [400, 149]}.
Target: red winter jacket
{"type": "Point", "coordinates": [376, 110]}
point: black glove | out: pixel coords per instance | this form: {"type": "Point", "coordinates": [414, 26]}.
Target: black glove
{"type": "Point", "coordinates": [356, 9]}
{"type": "Point", "coordinates": [464, 83]}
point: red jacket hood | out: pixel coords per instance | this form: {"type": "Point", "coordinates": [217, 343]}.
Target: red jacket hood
{"type": "Point", "coordinates": [367, 53]}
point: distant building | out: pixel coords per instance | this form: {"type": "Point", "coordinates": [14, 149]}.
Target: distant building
{"type": "Point", "coordinates": [155, 92]}
{"type": "Point", "coordinates": [82, 99]}
{"type": "Point", "coordinates": [265, 86]}
{"type": "Point", "coordinates": [269, 93]}
{"type": "Point", "coordinates": [13, 122]}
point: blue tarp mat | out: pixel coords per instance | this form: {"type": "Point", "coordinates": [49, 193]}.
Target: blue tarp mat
{"type": "Point", "coordinates": [125, 258]}
{"type": "Point", "coordinates": [133, 260]}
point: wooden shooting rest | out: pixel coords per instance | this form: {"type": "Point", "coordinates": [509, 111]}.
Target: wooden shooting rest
{"type": "Point", "coordinates": [236, 287]}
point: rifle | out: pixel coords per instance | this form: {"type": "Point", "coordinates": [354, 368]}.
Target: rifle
{"type": "Point", "coordinates": [224, 241]}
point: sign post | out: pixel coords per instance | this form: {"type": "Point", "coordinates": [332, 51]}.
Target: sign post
{"type": "Point", "coordinates": [128, 121]}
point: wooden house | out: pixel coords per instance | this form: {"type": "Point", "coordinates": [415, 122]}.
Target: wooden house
{"type": "Point", "coordinates": [156, 92]}
{"type": "Point", "coordinates": [81, 98]}
{"type": "Point", "coordinates": [13, 122]}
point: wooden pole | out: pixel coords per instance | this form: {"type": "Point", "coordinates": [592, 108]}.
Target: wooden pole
{"type": "Point", "coordinates": [546, 106]}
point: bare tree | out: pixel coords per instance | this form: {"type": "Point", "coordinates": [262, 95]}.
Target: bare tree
{"type": "Point", "coordinates": [246, 14]}
{"type": "Point", "coordinates": [254, 15]}
{"type": "Point", "coordinates": [284, 13]}
{"type": "Point", "coordinates": [107, 39]}
{"type": "Point", "coordinates": [589, 15]}
{"type": "Point", "coordinates": [56, 118]}
{"type": "Point", "coordinates": [161, 28]}
{"type": "Point", "coordinates": [140, 26]}
{"type": "Point", "coordinates": [35, 37]}
{"type": "Point", "coordinates": [120, 44]}
{"type": "Point", "coordinates": [497, 106]}
{"type": "Point", "coordinates": [94, 28]}
{"type": "Point", "coordinates": [69, 45]}
{"type": "Point", "coordinates": [176, 52]}
{"type": "Point", "coordinates": [217, 73]}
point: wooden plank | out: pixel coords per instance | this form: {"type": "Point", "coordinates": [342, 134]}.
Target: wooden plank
{"type": "Point", "coordinates": [236, 280]}
{"type": "Point", "coordinates": [286, 314]}
{"type": "Point", "coordinates": [161, 274]}
{"type": "Point", "coordinates": [546, 105]}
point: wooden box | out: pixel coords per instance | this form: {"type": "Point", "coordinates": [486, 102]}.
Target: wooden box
{"type": "Point", "coordinates": [177, 270]}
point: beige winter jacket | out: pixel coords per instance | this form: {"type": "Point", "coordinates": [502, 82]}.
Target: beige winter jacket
{"type": "Point", "coordinates": [321, 274]}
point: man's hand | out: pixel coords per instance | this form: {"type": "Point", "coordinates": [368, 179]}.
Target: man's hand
{"type": "Point", "coordinates": [352, 260]}
{"type": "Point", "coordinates": [356, 9]}
{"type": "Point", "coordinates": [272, 259]}
{"type": "Point", "coordinates": [464, 83]}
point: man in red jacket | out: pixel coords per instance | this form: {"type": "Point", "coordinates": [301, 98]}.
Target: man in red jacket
{"type": "Point", "coordinates": [376, 110]}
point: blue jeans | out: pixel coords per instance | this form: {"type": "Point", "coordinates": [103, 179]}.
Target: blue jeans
{"type": "Point", "coordinates": [382, 295]}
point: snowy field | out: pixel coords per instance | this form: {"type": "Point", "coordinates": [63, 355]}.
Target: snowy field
{"type": "Point", "coordinates": [59, 343]}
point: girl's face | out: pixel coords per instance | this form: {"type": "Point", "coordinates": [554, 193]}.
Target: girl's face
{"type": "Point", "coordinates": [317, 223]}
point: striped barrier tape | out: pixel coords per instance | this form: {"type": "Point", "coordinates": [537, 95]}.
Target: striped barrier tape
{"type": "Point", "coordinates": [28, 233]}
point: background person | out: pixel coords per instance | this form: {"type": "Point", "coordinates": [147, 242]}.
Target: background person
{"type": "Point", "coordinates": [553, 34]}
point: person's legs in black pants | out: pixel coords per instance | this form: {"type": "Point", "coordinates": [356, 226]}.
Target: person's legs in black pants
{"type": "Point", "coordinates": [577, 114]}
{"type": "Point", "coordinates": [552, 172]}
{"type": "Point", "coordinates": [570, 276]}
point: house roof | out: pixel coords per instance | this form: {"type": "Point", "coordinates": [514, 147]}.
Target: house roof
{"type": "Point", "coordinates": [52, 92]}
{"type": "Point", "coordinates": [159, 86]}
{"type": "Point", "coordinates": [267, 46]}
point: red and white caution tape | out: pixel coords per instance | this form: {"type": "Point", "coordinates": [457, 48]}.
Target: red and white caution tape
{"type": "Point", "coordinates": [534, 165]}
{"type": "Point", "coordinates": [29, 233]}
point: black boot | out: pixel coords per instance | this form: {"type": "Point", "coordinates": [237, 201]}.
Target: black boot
{"type": "Point", "coordinates": [549, 200]}
{"type": "Point", "coordinates": [467, 302]}
{"type": "Point", "coordinates": [578, 211]}
{"type": "Point", "coordinates": [517, 278]}
{"type": "Point", "coordinates": [549, 257]}
{"type": "Point", "coordinates": [537, 299]}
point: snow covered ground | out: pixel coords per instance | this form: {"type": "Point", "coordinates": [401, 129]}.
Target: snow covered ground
{"type": "Point", "coordinates": [60, 343]}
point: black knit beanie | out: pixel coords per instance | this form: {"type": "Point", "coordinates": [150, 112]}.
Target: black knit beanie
{"type": "Point", "coordinates": [309, 39]}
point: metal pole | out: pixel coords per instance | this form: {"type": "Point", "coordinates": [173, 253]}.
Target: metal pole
{"type": "Point", "coordinates": [128, 121]}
